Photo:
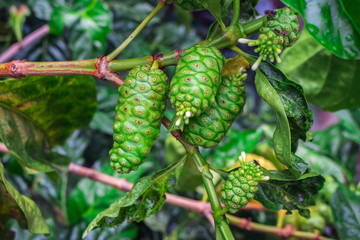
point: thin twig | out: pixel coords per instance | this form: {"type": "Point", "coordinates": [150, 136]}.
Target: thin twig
{"type": "Point", "coordinates": [29, 39]}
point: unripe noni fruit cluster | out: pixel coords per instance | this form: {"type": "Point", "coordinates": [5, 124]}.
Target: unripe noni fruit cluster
{"type": "Point", "coordinates": [241, 185]}
{"type": "Point", "coordinates": [280, 30]}
{"type": "Point", "coordinates": [201, 96]}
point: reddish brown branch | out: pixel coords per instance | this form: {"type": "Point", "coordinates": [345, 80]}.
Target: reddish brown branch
{"type": "Point", "coordinates": [29, 39]}
{"type": "Point", "coordinates": [102, 72]}
{"type": "Point", "coordinates": [3, 148]}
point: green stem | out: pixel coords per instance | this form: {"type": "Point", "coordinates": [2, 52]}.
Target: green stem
{"type": "Point", "coordinates": [236, 13]}
{"type": "Point", "coordinates": [220, 219]}
{"type": "Point", "coordinates": [254, 26]}
{"type": "Point", "coordinates": [128, 40]}
{"type": "Point", "coordinates": [88, 67]}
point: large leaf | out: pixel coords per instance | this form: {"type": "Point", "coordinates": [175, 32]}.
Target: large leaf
{"type": "Point", "coordinates": [39, 112]}
{"type": "Point", "coordinates": [329, 82]}
{"type": "Point", "coordinates": [351, 8]}
{"type": "Point", "coordinates": [299, 115]}
{"type": "Point", "coordinates": [328, 23]}
{"type": "Point", "coordinates": [345, 206]}
{"type": "Point", "coordinates": [282, 139]}
{"type": "Point", "coordinates": [146, 197]}
{"type": "Point", "coordinates": [58, 104]}
{"type": "Point", "coordinates": [20, 207]}
{"type": "Point", "coordinates": [89, 23]}
{"type": "Point", "coordinates": [283, 191]}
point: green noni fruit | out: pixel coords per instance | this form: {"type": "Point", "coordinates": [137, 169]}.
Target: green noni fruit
{"type": "Point", "coordinates": [210, 127]}
{"type": "Point", "coordinates": [280, 30]}
{"type": "Point", "coordinates": [195, 82]}
{"type": "Point", "coordinates": [139, 111]}
{"type": "Point", "coordinates": [241, 185]}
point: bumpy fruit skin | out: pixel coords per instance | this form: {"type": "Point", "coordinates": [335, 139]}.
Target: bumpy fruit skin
{"type": "Point", "coordinates": [241, 185]}
{"type": "Point", "coordinates": [139, 111]}
{"type": "Point", "coordinates": [195, 82]}
{"type": "Point", "coordinates": [210, 127]}
{"type": "Point", "coordinates": [280, 30]}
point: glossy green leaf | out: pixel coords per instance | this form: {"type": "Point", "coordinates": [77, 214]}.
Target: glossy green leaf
{"type": "Point", "coordinates": [328, 23]}
{"type": "Point", "coordinates": [235, 142]}
{"type": "Point", "coordinates": [89, 23]}
{"type": "Point", "coordinates": [299, 115]}
{"type": "Point", "coordinates": [329, 82]}
{"type": "Point", "coordinates": [282, 135]}
{"type": "Point", "coordinates": [284, 191]}
{"type": "Point", "coordinates": [345, 206]}
{"type": "Point", "coordinates": [146, 197]}
{"type": "Point", "coordinates": [20, 207]}
{"type": "Point", "coordinates": [351, 8]}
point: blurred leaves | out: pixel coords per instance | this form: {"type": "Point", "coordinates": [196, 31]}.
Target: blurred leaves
{"type": "Point", "coordinates": [20, 207]}
{"type": "Point", "coordinates": [330, 25]}
{"type": "Point", "coordinates": [146, 197]}
{"type": "Point", "coordinates": [333, 151]}
{"type": "Point", "coordinates": [345, 206]}
{"type": "Point", "coordinates": [329, 82]}
{"type": "Point", "coordinates": [89, 22]}
{"type": "Point", "coordinates": [235, 142]}
{"type": "Point", "coordinates": [89, 197]}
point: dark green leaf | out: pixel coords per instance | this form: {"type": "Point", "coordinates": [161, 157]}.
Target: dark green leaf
{"type": "Point", "coordinates": [329, 82]}
{"type": "Point", "coordinates": [89, 23]}
{"type": "Point", "coordinates": [345, 206]}
{"type": "Point", "coordinates": [328, 23]}
{"type": "Point", "coordinates": [299, 115]}
{"type": "Point", "coordinates": [283, 191]}
{"type": "Point", "coordinates": [236, 141]}
{"type": "Point", "coordinates": [146, 197]}
{"type": "Point", "coordinates": [351, 9]}
{"type": "Point", "coordinates": [20, 207]}
{"type": "Point", "coordinates": [58, 105]}
{"type": "Point", "coordinates": [248, 10]}
{"type": "Point", "coordinates": [282, 135]}
{"type": "Point", "coordinates": [36, 116]}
